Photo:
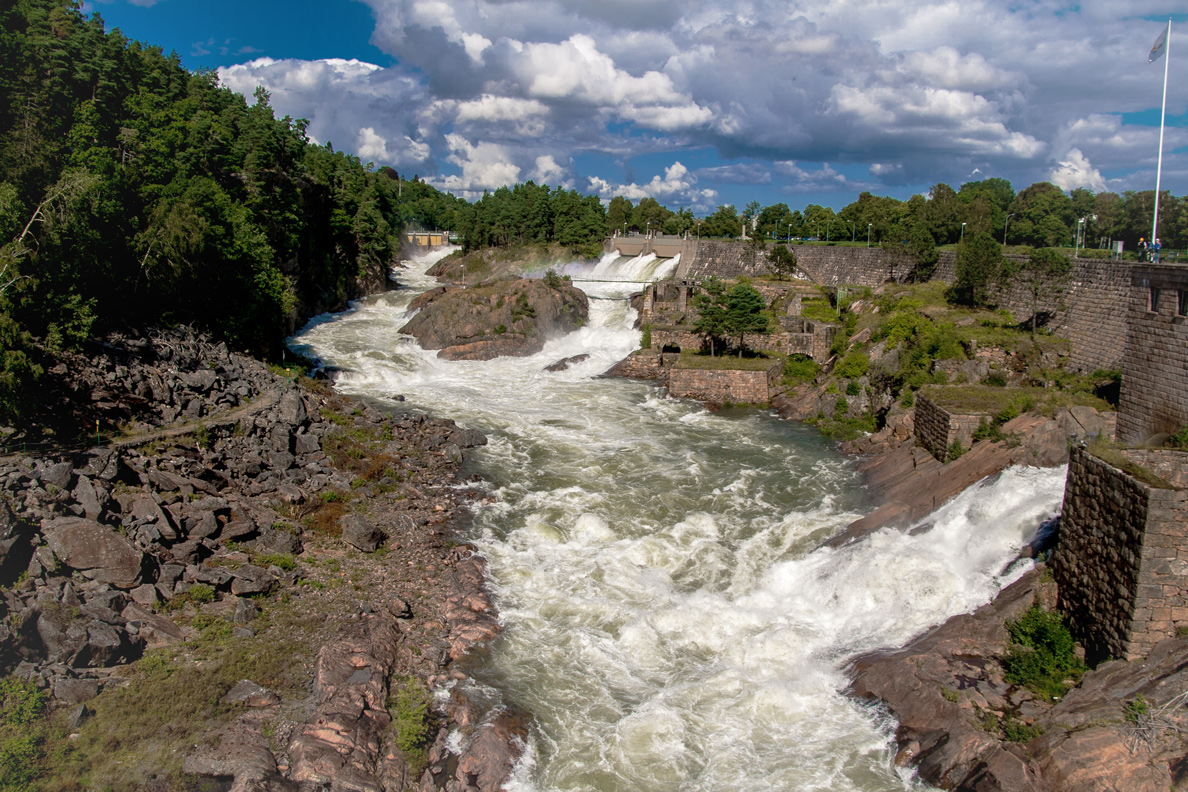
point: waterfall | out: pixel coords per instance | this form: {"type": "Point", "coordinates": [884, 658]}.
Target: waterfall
{"type": "Point", "coordinates": [667, 619]}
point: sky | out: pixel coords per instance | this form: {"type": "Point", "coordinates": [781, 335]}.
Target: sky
{"type": "Point", "coordinates": [698, 104]}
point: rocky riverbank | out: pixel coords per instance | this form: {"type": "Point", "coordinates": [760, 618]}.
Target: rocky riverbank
{"type": "Point", "coordinates": [265, 592]}
{"type": "Point", "coordinates": [964, 727]}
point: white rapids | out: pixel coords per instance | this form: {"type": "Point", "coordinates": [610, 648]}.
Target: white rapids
{"type": "Point", "coordinates": [667, 620]}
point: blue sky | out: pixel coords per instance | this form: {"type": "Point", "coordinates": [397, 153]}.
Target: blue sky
{"type": "Point", "coordinates": [701, 103]}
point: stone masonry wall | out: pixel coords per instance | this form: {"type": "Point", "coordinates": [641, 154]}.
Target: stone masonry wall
{"type": "Point", "coordinates": [1122, 557]}
{"type": "Point", "coordinates": [720, 387]}
{"type": "Point", "coordinates": [1097, 559]}
{"type": "Point", "coordinates": [937, 428]}
{"type": "Point", "coordinates": [1154, 395]}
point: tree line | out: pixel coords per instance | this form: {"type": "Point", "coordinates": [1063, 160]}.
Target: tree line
{"type": "Point", "coordinates": [133, 191]}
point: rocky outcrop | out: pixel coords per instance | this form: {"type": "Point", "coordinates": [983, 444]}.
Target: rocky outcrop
{"type": "Point", "coordinates": [946, 689]}
{"type": "Point", "coordinates": [148, 542]}
{"type": "Point", "coordinates": [909, 483]}
{"type": "Point", "coordinates": [512, 317]}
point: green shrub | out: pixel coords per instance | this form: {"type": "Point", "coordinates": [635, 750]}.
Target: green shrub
{"type": "Point", "coordinates": [22, 734]}
{"type": "Point", "coordinates": [284, 561]}
{"type": "Point", "coordinates": [853, 388]}
{"type": "Point", "coordinates": [1017, 731]}
{"type": "Point", "coordinates": [841, 409]}
{"type": "Point", "coordinates": [949, 693]}
{"type": "Point", "coordinates": [645, 339]}
{"type": "Point", "coordinates": [200, 592]}
{"type": "Point", "coordinates": [799, 369]}
{"type": "Point", "coordinates": [996, 379]}
{"type": "Point", "coordinates": [956, 450]}
{"type": "Point", "coordinates": [908, 398]}
{"type": "Point", "coordinates": [1136, 708]}
{"type": "Point", "coordinates": [1042, 657]}
{"type": "Point", "coordinates": [408, 705]}
{"type": "Point", "coordinates": [853, 365]}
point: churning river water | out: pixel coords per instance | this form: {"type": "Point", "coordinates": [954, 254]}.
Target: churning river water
{"type": "Point", "coordinates": [667, 620]}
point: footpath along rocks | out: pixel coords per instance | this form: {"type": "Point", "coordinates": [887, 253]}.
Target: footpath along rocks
{"type": "Point", "coordinates": [109, 552]}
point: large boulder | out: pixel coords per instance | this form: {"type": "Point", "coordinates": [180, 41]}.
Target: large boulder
{"type": "Point", "coordinates": [95, 550]}
{"type": "Point", "coordinates": [511, 317]}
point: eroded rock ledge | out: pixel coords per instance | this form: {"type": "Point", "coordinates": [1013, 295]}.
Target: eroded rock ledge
{"type": "Point", "coordinates": [508, 317]}
{"type": "Point", "coordinates": [947, 686]}
{"type": "Point", "coordinates": [281, 519]}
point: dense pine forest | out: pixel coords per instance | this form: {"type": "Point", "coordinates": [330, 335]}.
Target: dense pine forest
{"type": "Point", "coordinates": [133, 191]}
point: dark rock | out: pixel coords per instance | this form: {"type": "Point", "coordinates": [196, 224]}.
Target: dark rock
{"type": "Point", "coordinates": [512, 317]}
{"type": "Point", "coordinates": [245, 611]}
{"type": "Point", "coordinates": [77, 717]}
{"type": "Point", "coordinates": [154, 629]}
{"type": "Point", "coordinates": [250, 694]}
{"type": "Point", "coordinates": [565, 363]}
{"type": "Point", "coordinates": [306, 444]}
{"type": "Point", "coordinates": [15, 547]}
{"type": "Point", "coordinates": [291, 408]}
{"type": "Point", "coordinates": [106, 646]}
{"type": "Point", "coordinates": [75, 691]}
{"type": "Point", "coordinates": [95, 550]}
{"type": "Point", "coordinates": [58, 474]}
{"type": "Point", "coordinates": [358, 532]}
{"type": "Point", "coordinates": [468, 438]}
{"type": "Point", "coordinates": [98, 463]}
{"type": "Point", "coordinates": [249, 579]}
{"type": "Point", "coordinates": [276, 540]}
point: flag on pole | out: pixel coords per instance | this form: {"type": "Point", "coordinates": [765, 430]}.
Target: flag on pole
{"type": "Point", "coordinates": [1160, 45]}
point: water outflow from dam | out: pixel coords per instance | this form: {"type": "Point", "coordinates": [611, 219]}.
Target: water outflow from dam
{"type": "Point", "coordinates": [667, 621]}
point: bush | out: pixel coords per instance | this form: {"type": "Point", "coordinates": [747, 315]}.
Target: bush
{"type": "Point", "coordinates": [1017, 731]}
{"type": "Point", "coordinates": [645, 338]}
{"type": "Point", "coordinates": [841, 409]}
{"type": "Point", "coordinates": [21, 733]}
{"type": "Point", "coordinates": [408, 704]}
{"type": "Point", "coordinates": [1042, 658]}
{"type": "Point", "coordinates": [956, 451]}
{"type": "Point", "coordinates": [853, 365]}
{"type": "Point", "coordinates": [853, 388]}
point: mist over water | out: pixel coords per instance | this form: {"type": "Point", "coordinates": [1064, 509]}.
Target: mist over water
{"type": "Point", "coordinates": [667, 620]}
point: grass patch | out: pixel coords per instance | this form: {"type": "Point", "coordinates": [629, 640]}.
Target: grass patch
{"type": "Point", "coordinates": [23, 734]}
{"type": "Point", "coordinates": [1042, 657]}
{"type": "Point", "coordinates": [173, 699]}
{"type": "Point", "coordinates": [1111, 454]}
{"type": "Point", "coordinates": [818, 309]}
{"type": "Point", "coordinates": [799, 369]}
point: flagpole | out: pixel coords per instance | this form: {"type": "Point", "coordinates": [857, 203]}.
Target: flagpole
{"type": "Point", "coordinates": [1162, 118]}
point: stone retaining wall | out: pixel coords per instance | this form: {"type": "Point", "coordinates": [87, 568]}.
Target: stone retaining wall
{"type": "Point", "coordinates": [937, 428]}
{"type": "Point", "coordinates": [722, 386]}
{"type": "Point", "coordinates": [1154, 395]}
{"type": "Point", "coordinates": [1122, 559]}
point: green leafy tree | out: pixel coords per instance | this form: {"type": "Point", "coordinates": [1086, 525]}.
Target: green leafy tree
{"type": "Point", "coordinates": [782, 261]}
{"type": "Point", "coordinates": [978, 267]}
{"type": "Point", "coordinates": [710, 302]}
{"type": "Point", "coordinates": [1044, 276]}
{"type": "Point", "coordinates": [744, 312]}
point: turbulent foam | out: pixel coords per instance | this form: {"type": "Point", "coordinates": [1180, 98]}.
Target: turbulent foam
{"type": "Point", "coordinates": [666, 619]}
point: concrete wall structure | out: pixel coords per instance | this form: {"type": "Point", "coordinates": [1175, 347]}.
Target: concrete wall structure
{"type": "Point", "coordinates": [1154, 395]}
{"type": "Point", "coordinates": [1122, 559]}
{"type": "Point", "coordinates": [936, 428]}
{"type": "Point", "coordinates": [722, 386]}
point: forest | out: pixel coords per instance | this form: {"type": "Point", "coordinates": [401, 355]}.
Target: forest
{"type": "Point", "coordinates": [134, 192]}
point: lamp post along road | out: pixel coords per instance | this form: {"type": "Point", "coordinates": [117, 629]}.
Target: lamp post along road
{"type": "Point", "coordinates": [963, 232]}
{"type": "Point", "coordinates": [1005, 223]}
{"type": "Point", "coordinates": [868, 225]}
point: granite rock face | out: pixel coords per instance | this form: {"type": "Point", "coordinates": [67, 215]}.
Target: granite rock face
{"type": "Point", "coordinates": [505, 318]}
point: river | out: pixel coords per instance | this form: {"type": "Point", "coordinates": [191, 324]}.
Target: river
{"type": "Point", "coordinates": [667, 620]}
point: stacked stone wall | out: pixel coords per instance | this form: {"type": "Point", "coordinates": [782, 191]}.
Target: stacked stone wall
{"type": "Point", "coordinates": [1122, 558]}
{"type": "Point", "coordinates": [1166, 463]}
{"type": "Point", "coordinates": [937, 429]}
{"type": "Point", "coordinates": [1154, 396]}
{"type": "Point", "coordinates": [720, 387]}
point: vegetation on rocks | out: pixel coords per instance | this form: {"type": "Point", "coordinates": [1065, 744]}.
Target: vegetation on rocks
{"type": "Point", "coordinates": [1042, 656]}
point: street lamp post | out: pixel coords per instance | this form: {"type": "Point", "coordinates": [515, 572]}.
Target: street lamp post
{"type": "Point", "coordinates": [853, 230]}
{"type": "Point", "coordinates": [789, 232]}
{"type": "Point", "coordinates": [868, 225]}
{"type": "Point", "coordinates": [818, 230]}
{"type": "Point", "coordinates": [963, 232]}
{"type": "Point", "coordinates": [1005, 223]}
{"type": "Point", "coordinates": [698, 230]}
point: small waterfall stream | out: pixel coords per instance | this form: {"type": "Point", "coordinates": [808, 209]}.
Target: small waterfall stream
{"type": "Point", "coordinates": [668, 621]}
